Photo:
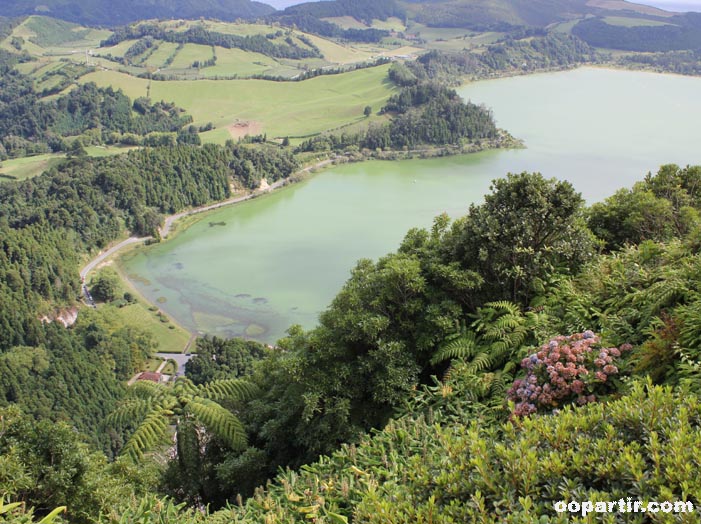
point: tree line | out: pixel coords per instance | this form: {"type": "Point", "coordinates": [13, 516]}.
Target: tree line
{"type": "Point", "coordinates": [259, 43]}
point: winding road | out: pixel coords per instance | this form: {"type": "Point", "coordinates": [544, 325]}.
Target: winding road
{"type": "Point", "coordinates": [170, 220]}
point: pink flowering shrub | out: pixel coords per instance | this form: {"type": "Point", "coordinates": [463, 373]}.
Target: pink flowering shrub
{"type": "Point", "coordinates": [565, 370]}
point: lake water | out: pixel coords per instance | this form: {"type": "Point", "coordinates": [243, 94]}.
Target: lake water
{"type": "Point", "coordinates": [279, 260]}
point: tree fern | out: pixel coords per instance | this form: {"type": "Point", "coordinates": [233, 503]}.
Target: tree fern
{"type": "Point", "coordinates": [153, 408]}
{"type": "Point", "coordinates": [231, 388]}
{"type": "Point", "coordinates": [151, 431]}
{"type": "Point", "coordinates": [219, 421]}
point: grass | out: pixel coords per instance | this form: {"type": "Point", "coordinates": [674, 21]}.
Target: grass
{"type": "Point", "coordinates": [138, 315]}
{"type": "Point", "coordinates": [28, 167]}
{"type": "Point", "coordinates": [633, 22]}
{"type": "Point", "coordinates": [232, 62]}
{"type": "Point", "coordinates": [346, 22]}
{"type": "Point", "coordinates": [152, 364]}
{"type": "Point", "coordinates": [31, 166]}
{"type": "Point", "coordinates": [160, 55]}
{"type": "Point", "coordinates": [340, 54]}
{"type": "Point", "coordinates": [283, 108]}
{"type": "Point", "coordinates": [391, 24]}
{"type": "Point", "coordinates": [189, 53]}
{"type": "Point", "coordinates": [170, 368]}
{"type": "Point", "coordinates": [51, 32]}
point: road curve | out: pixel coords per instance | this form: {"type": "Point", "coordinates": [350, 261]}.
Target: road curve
{"type": "Point", "coordinates": [106, 254]}
{"type": "Point", "coordinates": [170, 220]}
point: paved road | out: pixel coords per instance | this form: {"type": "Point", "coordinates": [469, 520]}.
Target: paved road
{"type": "Point", "coordinates": [168, 223]}
{"type": "Point", "coordinates": [105, 254]}
{"type": "Point", "coordinates": [180, 358]}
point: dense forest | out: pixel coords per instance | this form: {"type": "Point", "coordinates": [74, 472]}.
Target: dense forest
{"type": "Point", "coordinates": [108, 14]}
{"type": "Point", "coordinates": [423, 114]}
{"type": "Point", "coordinates": [680, 32]}
{"type": "Point", "coordinates": [481, 343]}
{"type": "Point", "coordinates": [532, 351]}
{"type": "Point", "coordinates": [84, 116]}
{"type": "Point", "coordinates": [533, 52]}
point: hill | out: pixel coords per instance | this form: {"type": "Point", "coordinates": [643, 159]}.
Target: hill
{"type": "Point", "coordinates": [490, 14]}
{"type": "Point", "coordinates": [110, 14]}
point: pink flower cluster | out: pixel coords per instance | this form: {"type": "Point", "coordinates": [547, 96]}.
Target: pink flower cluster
{"type": "Point", "coordinates": [566, 369]}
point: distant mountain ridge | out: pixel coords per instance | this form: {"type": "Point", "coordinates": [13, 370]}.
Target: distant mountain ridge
{"type": "Point", "coordinates": [109, 13]}
{"type": "Point", "coordinates": [489, 14]}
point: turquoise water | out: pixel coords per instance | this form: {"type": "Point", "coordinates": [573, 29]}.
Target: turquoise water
{"type": "Point", "coordinates": [280, 259]}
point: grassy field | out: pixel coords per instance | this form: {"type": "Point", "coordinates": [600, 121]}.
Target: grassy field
{"type": "Point", "coordinates": [190, 53]}
{"type": "Point", "coordinates": [171, 337]}
{"type": "Point", "coordinates": [232, 62]}
{"type": "Point", "coordinates": [391, 24]}
{"type": "Point", "coordinates": [339, 54]}
{"type": "Point", "coordinates": [160, 55]}
{"type": "Point", "coordinates": [345, 22]}
{"type": "Point", "coordinates": [282, 108]}
{"type": "Point", "coordinates": [632, 22]}
{"type": "Point", "coordinates": [28, 167]}
{"type": "Point", "coordinates": [31, 166]}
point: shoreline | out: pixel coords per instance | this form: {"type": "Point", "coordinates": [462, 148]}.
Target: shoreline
{"type": "Point", "coordinates": [171, 220]}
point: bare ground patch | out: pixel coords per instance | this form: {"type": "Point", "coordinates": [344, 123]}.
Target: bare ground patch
{"type": "Point", "coordinates": [241, 128]}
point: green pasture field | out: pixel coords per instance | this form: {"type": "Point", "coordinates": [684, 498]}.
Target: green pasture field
{"type": "Point", "coordinates": [160, 55]}
{"type": "Point", "coordinates": [435, 33]}
{"type": "Point", "coordinates": [116, 50]}
{"type": "Point", "coordinates": [31, 166]}
{"type": "Point", "coordinates": [189, 53]}
{"type": "Point", "coordinates": [338, 53]}
{"type": "Point", "coordinates": [633, 22]}
{"type": "Point", "coordinates": [232, 62]}
{"type": "Point", "coordinates": [566, 27]}
{"type": "Point", "coordinates": [281, 108]}
{"type": "Point", "coordinates": [345, 22]}
{"type": "Point", "coordinates": [28, 167]}
{"type": "Point", "coordinates": [391, 24]}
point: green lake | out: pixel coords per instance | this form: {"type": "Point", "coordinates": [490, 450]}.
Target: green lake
{"type": "Point", "coordinates": [280, 259]}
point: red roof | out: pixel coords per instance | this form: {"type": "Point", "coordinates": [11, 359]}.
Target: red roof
{"type": "Point", "coordinates": [150, 375]}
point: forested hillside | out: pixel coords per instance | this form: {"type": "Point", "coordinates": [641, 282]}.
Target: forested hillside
{"type": "Point", "coordinates": [532, 351]}
{"type": "Point", "coordinates": [428, 345]}
{"type": "Point", "coordinates": [105, 13]}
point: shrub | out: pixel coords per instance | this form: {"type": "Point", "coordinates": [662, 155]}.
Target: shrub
{"type": "Point", "coordinates": [565, 370]}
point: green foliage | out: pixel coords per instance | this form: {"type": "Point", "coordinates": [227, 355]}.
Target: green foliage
{"type": "Point", "coordinates": [45, 466]}
{"type": "Point", "coordinates": [151, 408]}
{"type": "Point", "coordinates": [684, 32]}
{"type": "Point", "coordinates": [423, 114]}
{"type": "Point", "coordinates": [421, 470]}
{"type": "Point", "coordinates": [218, 358]}
{"type": "Point", "coordinates": [528, 230]}
{"type": "Point", "coordinates": [196, 34]}
{"type": "Point", "coordinates": [105, 286]}
{"type": "Point", "coordinates": [662, 207]}
{"type": "Point", "coordinates": [29, 125]}
{"type": "Point", "coordinates": [16, 513]}
{"type": "Point", "coordinates": [105, 13]}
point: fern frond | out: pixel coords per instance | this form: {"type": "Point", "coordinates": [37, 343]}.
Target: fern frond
{"type": "Point", "coordinates": [150, 432]}
{"type": "Point", "coordinates": [464, 346]}
{"type": "Point", "coordinates": [131, 410]}
{"type": "Point", "coordinates": [184, 387]}
{"type": "Point", "coordinates": [504, 305]}
{"type": "Point", "coordinates": [481, 362]}
{"type": "Point", "coordinates": [235, 389]}
{"type": "Point", "coordinates": [219, 421]}
{"type": "Point", "coordinates": [144, 389]}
